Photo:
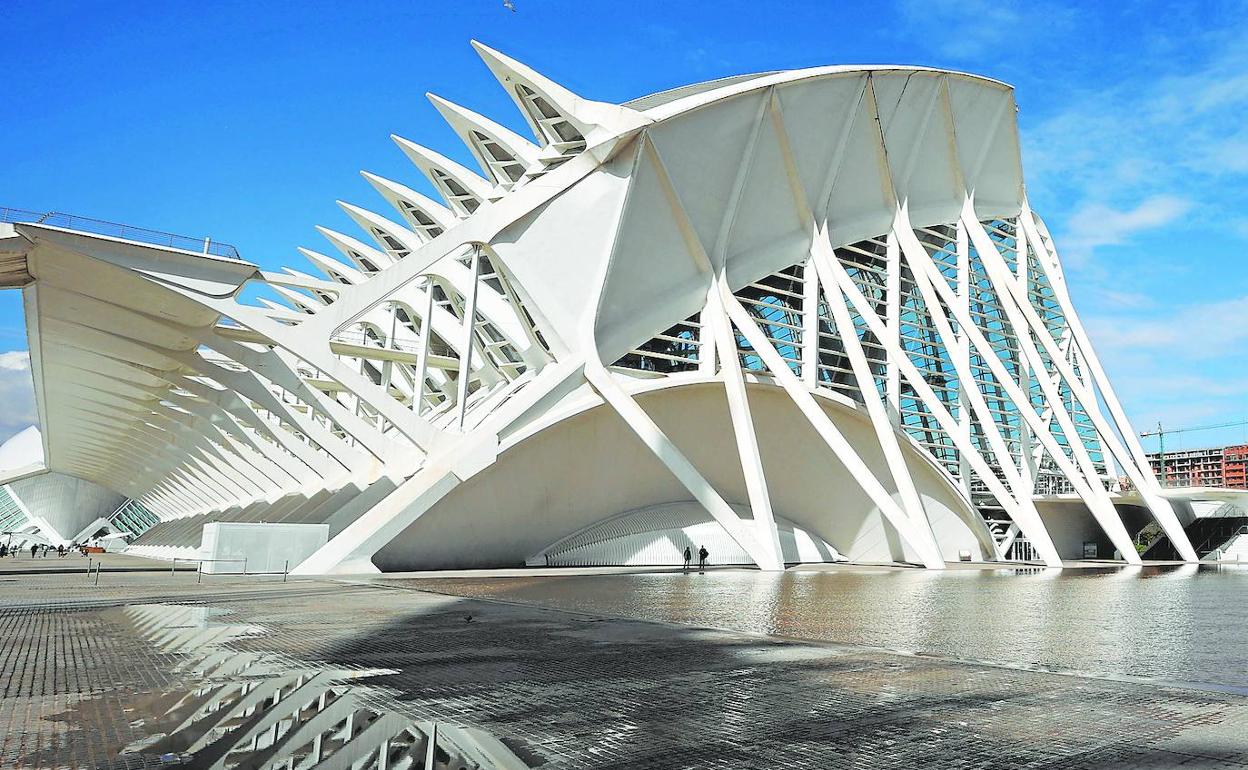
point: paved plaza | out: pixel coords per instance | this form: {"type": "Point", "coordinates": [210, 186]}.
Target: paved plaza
{"type": "Point", "coordinates": [144, 670]}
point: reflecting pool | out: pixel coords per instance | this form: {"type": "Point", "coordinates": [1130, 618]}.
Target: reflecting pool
{"type": "Point", "coordinates": [1184, 623]}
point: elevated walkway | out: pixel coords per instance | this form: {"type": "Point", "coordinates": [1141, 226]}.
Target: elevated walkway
{"type": "Point", "coordinates": [61, 220]}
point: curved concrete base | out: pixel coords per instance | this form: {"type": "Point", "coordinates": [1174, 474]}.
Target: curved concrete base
{"type": "Point", "coordinates": [589, 467]}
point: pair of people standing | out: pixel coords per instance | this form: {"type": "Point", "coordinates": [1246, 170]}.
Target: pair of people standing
{"type": "Point", "coordinates": [702, 554]}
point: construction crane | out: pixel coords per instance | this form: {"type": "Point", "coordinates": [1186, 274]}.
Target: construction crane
{"type": "Point", "coordinates": [1160, 433]}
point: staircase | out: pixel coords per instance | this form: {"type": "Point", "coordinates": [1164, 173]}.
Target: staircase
{"type": "Point", "coordinates": [1234, 549]}
{"type": "Point", "coordinates": [1206, 536]}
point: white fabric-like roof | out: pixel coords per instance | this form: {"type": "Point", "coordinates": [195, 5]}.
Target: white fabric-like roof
{"type": "Point", "coordinates": [22, 450]}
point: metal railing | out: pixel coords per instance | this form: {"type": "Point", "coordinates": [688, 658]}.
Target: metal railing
{"type": "Point", "coordinates": [199, 568]}
{"type": "Point", "coordinates": [117, 230]}
{"type": "Point", "coordinates": [1222, 537]}
{"type": "Point", "coordinates": [401, 343]}
{"type": "Point", "coordinates": [173, 564]}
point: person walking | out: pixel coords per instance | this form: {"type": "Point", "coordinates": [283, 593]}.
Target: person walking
{"type": "Point", "coordinates": [702, 554]}
{"type": "Point", "coordinates": [688, 558]}
{"type": "Point", "coordinates": [34, 549]}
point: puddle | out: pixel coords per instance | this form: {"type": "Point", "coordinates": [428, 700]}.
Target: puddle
{"type": "Point", "coordinates": [266, 711]}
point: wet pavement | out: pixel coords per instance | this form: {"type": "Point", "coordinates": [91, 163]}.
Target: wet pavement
{"type": "Point", "coordinates": [1172, 623]}
{"type": "Point", "coordinates": [154, 670]}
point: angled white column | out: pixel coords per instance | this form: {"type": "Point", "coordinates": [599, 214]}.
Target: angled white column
{"type": "Point", "coordinates": [1132, 458]}
{"type": "Point", "coordinates": [469, 335]}
{"type": "Point", "coordinates": [730, 361]}
{"type": "Point", "coordinates": [935, 290]}
{"type": "Point", "coordinates": [833, 438]}
{"type": "Point", "coordinates": [743, 428]}
{"type": "Point", "coordinates": [675, 461]}
{"type": "Point", "coordinates": [1018, 503]}
{"type": "Point", "coordinates": [881, 421]}
{"type": "Point", "coordinates": [1007, 292]}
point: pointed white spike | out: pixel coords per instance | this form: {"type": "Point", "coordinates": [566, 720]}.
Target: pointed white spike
{"type": "Point", "coordinates": [583, 115]}
{"type": "Point", "coordinates": [471, 127]}
{"type": "Point", "coordinates": [299, 274]}
{"type": "Point", "coordinates": [408, 202]}
{"type": "Point", "coordinates": [297, 298]}
{"type": "Point", "coordinates": [368, 259]}
{"type": "Point", "coordinates": [271, 305]}
{"type": "Point", "coordinates": [335, 270]}
{"type": "Point", "coordinates": [443, 172]}
{"type": "Point", "coordinates": [393, 238]}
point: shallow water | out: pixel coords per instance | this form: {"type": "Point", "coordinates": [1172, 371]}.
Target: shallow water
{"type": "Point", "coordinates": [1173, 623]}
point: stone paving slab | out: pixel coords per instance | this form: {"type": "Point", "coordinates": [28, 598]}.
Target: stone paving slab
{"type": "Point", "coordinates": [575, 690]}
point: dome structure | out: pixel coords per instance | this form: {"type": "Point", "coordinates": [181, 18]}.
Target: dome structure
{"type": "Point", "coordinates": [806, 305]}
{"type": "Point", "coordinates": [42, 506]}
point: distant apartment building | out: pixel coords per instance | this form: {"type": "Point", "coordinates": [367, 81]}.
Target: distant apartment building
{"type": "Point", "coordinates": [1208, 467]}
{"type": "Point", "coordinates": [1235, 467]}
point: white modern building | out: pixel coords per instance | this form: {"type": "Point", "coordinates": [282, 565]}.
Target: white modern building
{"type": "Point", "coordinates": [43, 507]}
{"type": "Point", "coordinates": [795, 316]}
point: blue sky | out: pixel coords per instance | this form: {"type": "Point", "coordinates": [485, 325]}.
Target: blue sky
{"type": "Point", "coordinates": [245, 121]}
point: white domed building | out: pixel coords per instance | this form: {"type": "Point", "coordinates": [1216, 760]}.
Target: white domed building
{"type": "Point", "coordinates": [41, 506]}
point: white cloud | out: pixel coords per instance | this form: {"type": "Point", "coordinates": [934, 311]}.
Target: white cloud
{"type": "Point", "coordinates": [1146, 132]}
{"type": "Point", "coordinates": [1097, 224]}
{"type": "Point", "coordinates": [977, 25]}
{"type": "Point", "coordinates": [17, 394]}
{"type": "Point", "coordinates": [15, 361]}
{"type": "Point", "coordinates": [1140, 169]}
{"type": "Point", "coordinates": [1183, 365]}
{"type": "Point", "coordinates": [1113, 299]}
{"type": "Point", "coordinates": [975, 37]}
{"type": "Point", "coordinates": [1187, 333]}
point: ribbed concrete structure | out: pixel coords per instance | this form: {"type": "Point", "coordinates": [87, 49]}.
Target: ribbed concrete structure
{"type": "Point", "coordinates": [812, 301]}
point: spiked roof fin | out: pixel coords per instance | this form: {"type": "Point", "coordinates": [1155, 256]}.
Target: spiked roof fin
{"type": "Point", "coordinates": [331, 266]}
{"type": "Point", "coordinates": [556, 115]}
{"type": "Point", "coordinates": [369, 259]}
{"type": "Point", "coordinates": [419, 210]}
{"type": "Point", "coordinates": [298, 299]}
{"type": "Point", "coordinates": [500, 152]}
{"type": "Point", "coordinates": [393, 238]}
{"type": "Point", "coordinates": [463, 190]}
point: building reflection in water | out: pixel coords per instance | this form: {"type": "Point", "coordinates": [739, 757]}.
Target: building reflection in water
{"type": "Point", "coordinates": [262, 710]}
{"type": "Point", "coordinates": [1185, 623]}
